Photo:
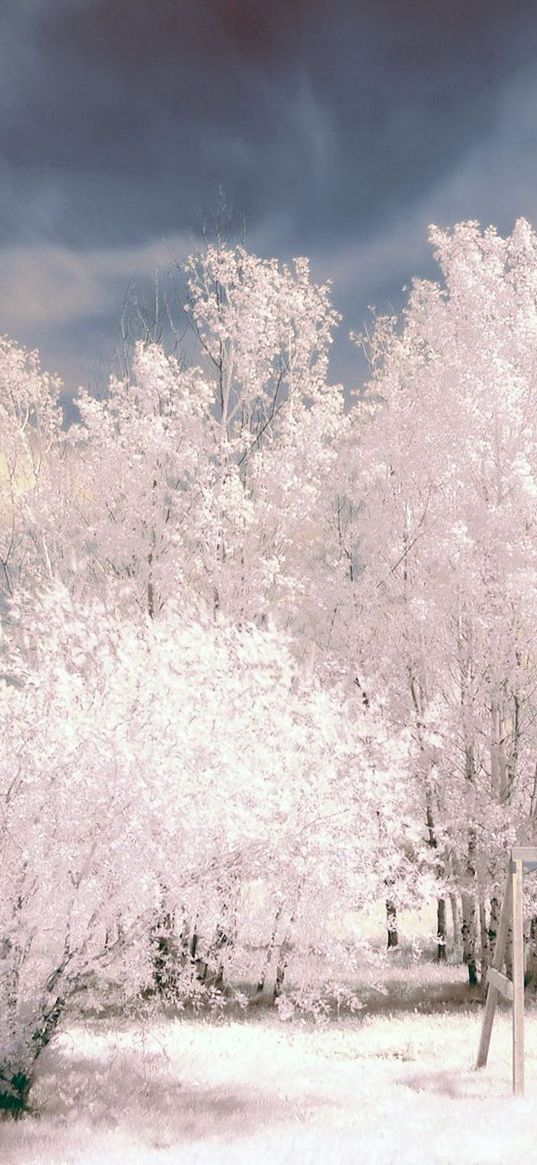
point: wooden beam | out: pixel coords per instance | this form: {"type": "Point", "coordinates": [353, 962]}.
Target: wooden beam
{"type": "Point", "coordinates": [523, 861]}
{"type": "Point", "coordinates": [500, 982]}
{"type": "Point", "coordinates": [517, 872]}
{"type": "Point", "coordinates": [497, 964]}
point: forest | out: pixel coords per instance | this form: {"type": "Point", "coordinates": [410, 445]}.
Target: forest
{"type": "Point", "coordinates": [267, 650]}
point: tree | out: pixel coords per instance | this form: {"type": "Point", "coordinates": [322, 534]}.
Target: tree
{"type": "Point", "coordinates": [144, 457]}
{"type": "Point", "coordinates": [445, 473]}
{"type": "Point", "coordinates": [266, 330]}
{"type": "Point", "coordinates": [30, 456]}
{"type": "Point", "coordinates": [201, 487]}
{"type": "Point", "coordinates": [165, 760]}
{"type": "Point", "coordinates": [198, 490]}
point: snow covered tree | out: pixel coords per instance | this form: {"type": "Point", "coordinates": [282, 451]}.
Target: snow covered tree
{"type": "Point", "coordinates": [203, 487]}
{"type": "Point", "coordinates": [266, 330]}
{"type": "Point", "coordinates": [442, 519]}
{"type": "Point", "coordinates": [143, 458]}
{"type": "Point", "coordinates": [30, 458]}
{"type": "Point", "coordinates": [159, 769]}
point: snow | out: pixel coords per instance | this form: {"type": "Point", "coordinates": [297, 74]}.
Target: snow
{"type": "Point", "coordinates": [384, 1089]}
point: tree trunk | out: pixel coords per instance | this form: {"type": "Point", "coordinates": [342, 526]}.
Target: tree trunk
{"type": "Point", "coordinates": [419, 700]}
{"type": "Point", "coordinates": [286, 947]}
{"type": "Point", "coordinates": [454, 919]}
{"type": "Point", "coordinates": [441, 953]}
{"type": "Point", "coordinates": [484, 939]}
{"type": "Point", "coordinates": [531, 966]}
{"type": "Point", "coordinates": [220, 949]}
{"type": "Point", "coordinates": [17, 1072]}
{"type": "Point", "coordinates": [391, 924]}
{"type": "Point", "coordinates": [469, 911]}
{"type": "Point", "coordinates": [184, 940]}
{"type": "Point", "coordinates": [198, 963]}
{"type": "Point", "coordinates": [467, 692]}
{"type": "Point", "coordinates": [15, 1084]}
{"type": "Point", "coordinates": [441, 931]}
{"type": "Point", "coordinates": [165, 955]}
{"type": "Point", "coordinates": [469, 937]}
{"type": "Point", "coordinates": [270, 951]}
{"type": "Point", "coordinates": [494, 919]}
{"type": "Point", "coordinates": [216, 957]}
{"type": "Point", "coordinates": [283, 962]}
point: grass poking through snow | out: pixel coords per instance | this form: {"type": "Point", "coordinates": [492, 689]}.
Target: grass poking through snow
{"type": "Point", "coordinates": [384, 1089]}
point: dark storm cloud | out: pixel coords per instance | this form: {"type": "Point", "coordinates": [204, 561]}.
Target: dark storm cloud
{"type": "Point", "coordinates": [339, 130]}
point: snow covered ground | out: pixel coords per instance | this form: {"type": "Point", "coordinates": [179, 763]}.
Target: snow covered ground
{"type": "Point", "coordinates": [379, 1089]}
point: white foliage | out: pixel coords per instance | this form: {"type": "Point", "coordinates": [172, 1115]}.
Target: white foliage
{"type": "Point", "coordinates": [164, 755]}
{"type": "Point", "coordinates": [441, 472]}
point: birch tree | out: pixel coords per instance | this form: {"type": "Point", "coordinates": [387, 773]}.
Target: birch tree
{"type": "Point", "coordinates": [32, 464]}
{"type": "Point", "coordinates": [445, 488]}
{"type": "Point", "coordinates": [203, 486]}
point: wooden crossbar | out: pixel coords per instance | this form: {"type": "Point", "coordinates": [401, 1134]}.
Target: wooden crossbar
{"type": "Point", "coordinates": [501, 983]}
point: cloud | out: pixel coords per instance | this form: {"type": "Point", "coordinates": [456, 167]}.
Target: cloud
{"type": "Point", "coordinates": [494, 182]}
{"type": "Point", "coordinates": [122, 119]}
{"type": "Point", "coordinates": [54, 286]}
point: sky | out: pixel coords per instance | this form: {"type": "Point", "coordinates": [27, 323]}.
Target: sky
{"type": "Point", "coordinates": [338, 130]}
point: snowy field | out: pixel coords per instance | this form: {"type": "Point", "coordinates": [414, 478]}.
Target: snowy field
{"type": "Point", "coordinates": [378, 1089]}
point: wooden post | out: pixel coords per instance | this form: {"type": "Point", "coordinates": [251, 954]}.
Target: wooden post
{"type": "Point", "coordinates": [493, 990]}
{"type": "Point", "coordinates": [523, 861]}
{"type": "Point", "coordinates": [517, 869]}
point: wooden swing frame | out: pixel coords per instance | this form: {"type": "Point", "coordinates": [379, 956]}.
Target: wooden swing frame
{"type": "Point", "coordinates": [523, 861]}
